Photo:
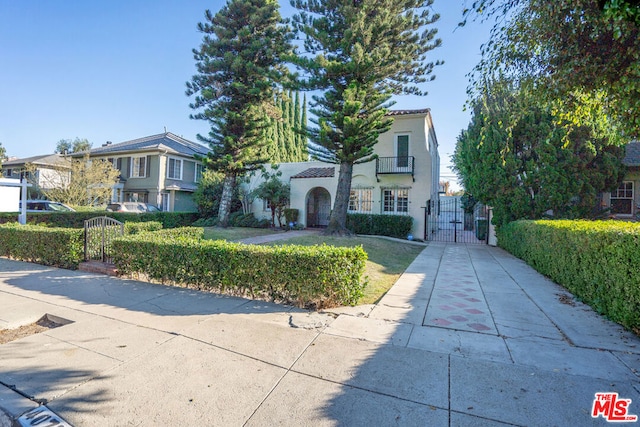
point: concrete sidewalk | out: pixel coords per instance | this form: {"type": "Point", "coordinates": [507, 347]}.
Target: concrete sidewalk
{"type": "Point", "coordinates": [468, 336]}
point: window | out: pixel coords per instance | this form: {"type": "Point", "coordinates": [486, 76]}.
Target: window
{"type": "Point", "coordinates": [165, 202]}
{"type": "Point", "coordinates": [266, 205]}
{"type": "Point", "coordinates": [8, 173]}
{"type": "Point", "coordinates": [199, 169]}
{"type": "Point", "coordinates": [402, 151]}
{"type": "Point", "coordinates": [360, 200]}
{"type": "Point", "coordinates": [395, 201]}
{"type": "Point", "coordinates": [174, 169]}
{"type": "Point", "coordinates": [622, 199]}
{"type": "Point", "coordinates": [138, 167]}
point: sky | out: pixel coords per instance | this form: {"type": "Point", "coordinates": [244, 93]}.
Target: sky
{"type": "Point", "coordinates": [116, 70]}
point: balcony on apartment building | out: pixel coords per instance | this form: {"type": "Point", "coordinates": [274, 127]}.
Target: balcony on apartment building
{"type": "Point", "coordinates": [395, 165]}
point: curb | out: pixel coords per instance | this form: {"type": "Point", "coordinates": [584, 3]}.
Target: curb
{"type": "Point", "coordinates": [18, 411]}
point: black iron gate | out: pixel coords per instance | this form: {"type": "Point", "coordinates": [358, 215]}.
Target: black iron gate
{"type": "Point", "coordinates": [99, 232]}
{"type": "Point", "coordinates": [448, 221]}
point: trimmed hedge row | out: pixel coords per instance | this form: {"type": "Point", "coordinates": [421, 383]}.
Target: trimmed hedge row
{"type": "Point", "coordinates": [58, 247]}
{"type": "Point", "coordinates": [380, 225]}
{"type": "Point", "coordinates": [598, 261]}
{"type": "Point", "coordinates": [140, 227]}
{"type": "Point", "coordinates": [312, 276]}
{"type": "Point", "coordinates": [76, 219]}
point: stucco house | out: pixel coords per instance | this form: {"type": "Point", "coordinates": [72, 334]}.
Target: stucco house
{"type": "Point", "coordinates": [624, 201]}
{"type": "Point", "coordinates": [45, 171]}
{"type": "Point", "coordinates": [400, 182]}
{"type": "Point", "coordinates": [158, 169]}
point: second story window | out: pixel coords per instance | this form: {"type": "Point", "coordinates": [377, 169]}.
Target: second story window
{"type": "Point", "coordinates": [402, 151]}
{"type": "Point", "coordinates": [138, 167]}
{"type": "Point", "coordinates": [174, 168]}
{"type": "Point", "coordinates": [199, 169]}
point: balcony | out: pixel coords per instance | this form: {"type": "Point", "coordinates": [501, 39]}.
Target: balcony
{"type": "Point", "coordinates": [395, 166]}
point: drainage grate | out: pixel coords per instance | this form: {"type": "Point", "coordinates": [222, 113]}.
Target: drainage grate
{"type": "Point", "coordinates": [46, 322]}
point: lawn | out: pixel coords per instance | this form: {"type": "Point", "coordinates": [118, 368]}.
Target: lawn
{"type": "Point", "coordinates": [387, 259]}
{"type": "Point", "coordinates": [234, 234]}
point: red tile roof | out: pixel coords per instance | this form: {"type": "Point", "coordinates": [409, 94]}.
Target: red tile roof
{"type": "Point", "coordinates": [316, 173]}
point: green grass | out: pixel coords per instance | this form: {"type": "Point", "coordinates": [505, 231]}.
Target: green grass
{"type": "Point", "coordinates": [387, 259]}
{"type": "Point", "coordinates": [234, 234]}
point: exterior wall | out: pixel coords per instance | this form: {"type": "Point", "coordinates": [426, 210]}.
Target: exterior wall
{"type": "Point", "coordinates": [183, 202]}
{"type": "Point", "coordinates": [422, 146]}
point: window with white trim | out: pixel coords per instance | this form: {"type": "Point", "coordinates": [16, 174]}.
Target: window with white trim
{"type": "Point", "coordinates": [174, 168]}
{"type": "Point", "coordinates": [622, 199]}
{"type": "Point", "coordinates": [395, 201]}
{"type": "Point", "coordinates": [165, 202]}
{"type": "Point", "coordinates": [139, 167]}
{"type": "Point", "coordinates": [198, 174]}
{"type": "Point", "coordinates": [360, 200]}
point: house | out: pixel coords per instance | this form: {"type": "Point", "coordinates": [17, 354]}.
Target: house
{"type": "Point", "coordinates": [624, 201]}
{"type": "Point", "coordinates": [401, 181]}
{"type": "Point", "coordinates": [160, 169]}
{"type": "Point", "coordinates": [45, 171]}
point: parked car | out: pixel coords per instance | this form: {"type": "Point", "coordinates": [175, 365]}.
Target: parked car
{"type": "Point", "coordinates": [46, 205]}
{"type": "Point", "coordinates": [135, 207]}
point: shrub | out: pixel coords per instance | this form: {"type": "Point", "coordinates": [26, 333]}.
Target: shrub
{"type": "Point", "coordinates": [291, 215]}
{"type": "Point", "coordinates": [598, 261]}
{"type": "Point", "coordinates": [319, 276]}
{"type": "Point", "coordinates": [139, 227]}
{"type": "Point", "coordinates": [76, 219]}
{"type": "Point", "coordinates": [58, 247]}
{"type": "Point", "coordinates": [380, 225]}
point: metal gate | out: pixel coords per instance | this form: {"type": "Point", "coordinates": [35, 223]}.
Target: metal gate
{"type": "Point", "coordinates": [448, 221]}
{"type": "Point", "coordinates": [99, 232]}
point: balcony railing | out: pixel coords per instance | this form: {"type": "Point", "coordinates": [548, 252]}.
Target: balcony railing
{"type": "Point", "coordinates": [395, 165]}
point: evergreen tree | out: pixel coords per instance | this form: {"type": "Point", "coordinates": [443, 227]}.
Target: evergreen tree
{"type": "Point", "coordinates": [303, 131]}
{"type": "Point", "coordinates": [360, 53]}
{"type": "Point", "coordinates": [238, 63]}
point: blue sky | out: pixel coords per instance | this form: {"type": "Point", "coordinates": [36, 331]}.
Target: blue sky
{"type": "Point", "coordinates": [116, 70]}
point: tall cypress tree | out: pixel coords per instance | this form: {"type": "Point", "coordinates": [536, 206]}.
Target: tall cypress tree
{"type": "Point", "coordinates": [362, 52]}
{"type": "Point", "coordinates": [239, 62]}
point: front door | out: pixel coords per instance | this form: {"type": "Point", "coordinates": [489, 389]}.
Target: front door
{"type": "Point", "coordinates": [318, 207]}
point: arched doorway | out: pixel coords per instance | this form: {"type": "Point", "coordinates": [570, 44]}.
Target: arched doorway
{"type": "Point", "coordinates": [318, 207]}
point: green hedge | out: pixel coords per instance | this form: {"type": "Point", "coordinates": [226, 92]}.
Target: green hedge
{"type": "Point", "coordinates": [139, 227]}
{"type": "Point", "coordinates": [380, 225]}
{"type": "Point", "coordinates": [598, 261]}
{"type": "Point", "coordinates": [312, 276]}
{"type": "Point", "coordinates": [76, 219]}
{"type": "Point", "coordinates": [58, 247]}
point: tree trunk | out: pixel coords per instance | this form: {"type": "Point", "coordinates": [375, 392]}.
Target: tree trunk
{"type": "Point", "coordinates": [225, 200]}
{"type": "Point", "coordinates": [338, 219]}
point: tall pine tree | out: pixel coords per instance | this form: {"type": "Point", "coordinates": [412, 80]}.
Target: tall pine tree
{"type": "Point", "coordinates": [239, 63]}
{"type": "Point", "coordinates": [360, 53]}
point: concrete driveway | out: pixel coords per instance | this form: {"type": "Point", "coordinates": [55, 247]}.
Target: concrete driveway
{"type": "Point", "coordinates": [469, 335]}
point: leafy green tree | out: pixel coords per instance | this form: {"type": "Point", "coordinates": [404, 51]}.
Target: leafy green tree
{"type": "Point", "coordinates": [589, 46]}
{"type": "Point", "coordinates": [239, 63]}
{"type": "Point", "coordinates": [208, 194]}
{"type": "Point", "coordinates": [67, 146]}
{"type": "Point", "coordinates": [360, 53]}
{"type": "Point", "coordinates": [3, 154]}
{"type": "Point", "coordinates": [275, 192]}
{"type": "Point", "coordinates": [88, 182]}
{"type": "Point", "coordinates": [519, 157]}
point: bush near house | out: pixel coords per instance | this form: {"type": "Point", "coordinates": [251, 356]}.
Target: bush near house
{"type": "Point", "coordinates": [311, 276]}
{"type": "Point", "coordinates": [58, 247]}
{"type": "Point", "coordinates": [598, 261]}
{"type": "Point", "coordinates": [380, 225]}
{"type": "Point", "coordinates": [76, 219]}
